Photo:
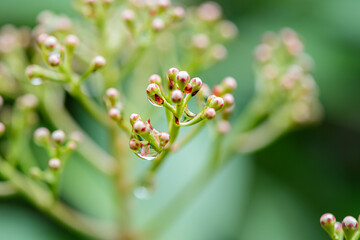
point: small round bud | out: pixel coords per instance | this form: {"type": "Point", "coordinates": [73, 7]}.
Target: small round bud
{"type": "Point", "coordinates": [196, 83]}
{"type": "Point", "coordinates": [228, 100]}
{"type": "Point", "coordinates": [209, 113]}
{"type": "Point", "coordinates": [176, 96]}
{"type": "Point", "coordinates": [54, 60]}
{"type": "Point", "coordinates": [58, 136]}
{"type": "Point", "coordinates": [349, 226]}
{"type": "Point", "coordinates": [228, 30]}
{"type": "Point", "coordinates": [72, 145]}
{"type": "Point", "coordinates": [2, 129]}
{"type": "Point", "coordinates": [163, 4]}
{"type": "Point", "coordinates": [229, 84]}
{"type": "Point", "coordinates": [209, 11]}
{"type": "Point", "coordinates": [327, 219]}
{"type": "Point", "coordinates": [219, 52]}
{"type": "Point", "coordinates": [134, 117]}
{"type": "Point", "coordinates": [112, 94]}
{"type": "Point", "coordinates": [152, 89]}
{"type": "Point", "coordinates": [99, 62]}
{"type": "Point", "coordinates": [178, 12]}
{"type": "Point", "coordinates": [114, 114]}
{"type": "Point", "coordinates": [216, 102]}
{"type": "Point", "coordinates": [29, 71]}
{"type": "Point", "coordinates": [158, 24]}
{"type": "Point", "coordinates": [155, 79]}
{"type": "Point", "coordinates": [183, 78]}
{"type": "Point", "coordinates": [134, 144]}
{"type": "Point", "coordinates": [164, 138]}
{"type": "Point", "coordinates": [41, 38]}
{"type": "Point", "coordinates": [201, 41]}
{"type": "Point", "coordinates": [139, 126]}
{"type": "Point", "coordinates": [263, 53]}
{"type": "Point", "coordinates": [54, 163]}
{"type": "Point", "coordinates": [42, 135]}
{"type": "Point", "coordinates": [128, 15]}
{"type": "Point", "coordinates": [50, 42]}
{"type": "Point", "coordinates": [223, 127]}
{"type": "Point", "coordinates": [71, 41]}
{"type": "Point", "coordinates": [28, 101]}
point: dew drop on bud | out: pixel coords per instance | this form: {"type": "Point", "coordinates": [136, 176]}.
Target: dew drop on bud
{"type": "Point", "coordinates": [36, 81]}
{"type": "Point", "coordinates": [154, 103]}
{"type": "Point", "coordinates": [142, 192]}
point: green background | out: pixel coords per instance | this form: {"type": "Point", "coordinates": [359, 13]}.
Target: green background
{"type": "Point", "coordinates": [276, 194]}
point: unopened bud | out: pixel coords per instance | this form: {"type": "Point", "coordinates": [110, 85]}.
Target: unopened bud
{"type": "Point", "coordinates": [263, 53]}
{"type": "Point", "coordinates": [99, 62]}
{"type": "Point", "coordinates": [71, 41]}
{"type": "Point", "coordinates": [54, 60]}
{"type": "Point", "coordinates": [71, 145]}
{"type": "Point", "coordinates": [58, 136]}
{"type": "Point", "coordinates": [50, 42]}
{"type": "Point", "coordinates": [134, 117]}
{"type": "Point", "coordinates": [209, 11]}
{"type": "Point", "coordinates": [155, 79]}
{"type": "Point", "coordinates": [41, 38]}
{"type": "Point", "coordinates": [139, 126]}
{"type": "Point", "coordinates": [228, 30]}
{"type": "Point", "coordinates": [178, 12]}
{"type": "Point", "coordinates": [154, 93]}
{"type": "Point", "coordinates": [196, 84]}
{"type": "Point", "coordinates": [164, 138]}
{"type": "Point", "coordinates": [128, 15]}
{"type": "Point", "coordinates": [35, 173]}
{"type": "Point", "coordinates": [228, 100]}
{"type": "Point", "coordinates": [176, 96]}
{"type": "Point", "coordinates": [219, 52]}
{"type": "Point", "coordinates": [114, 114]}
{"type": "Point", "coordinates": [163, 4]}
{"type": "Point", "coordinates": [42, 135]}
{"type": "Point", "coordinates": [158, 24]}
{"type": "Point", "coordinates": [134, 144]}
{"type": "Point", "coordinates": [182, 78]}
{"type": "Point", "coordinates": [54, 163]}
{"type": "Point", "coordinates": [229, 84]}
{"type": "Point", "coordinates": [172, 77]}
{"type": "Point", "coordinates": [28, 101]}
{"type": "Point", "coordinates": [112, 95]}
{"type": "Point", "coordinates": [223, 127]}
{"type": "Point", "coordinates": [209, 113]}
{"type": "Point", "coordinates": [349, 226]}
{"type": "Point", "coordinates": [201, 41]}
{"type": "Point", "coordinates": [216, 102]}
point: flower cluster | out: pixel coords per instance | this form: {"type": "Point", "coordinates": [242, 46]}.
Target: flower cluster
{"type": "Point", "coordinates": [348, 228]}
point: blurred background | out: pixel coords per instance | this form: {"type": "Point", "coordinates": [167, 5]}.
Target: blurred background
{"type": "Point", "coordinates": [278, 193]}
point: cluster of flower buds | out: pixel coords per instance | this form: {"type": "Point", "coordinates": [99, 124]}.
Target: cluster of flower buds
{"type": "Point", "coordinates": [349, 228]}
{"type": "Point", "coordinates": [159, 12]}
{"type": "Point", "coordinates": [284, 76]}
{"type": "Point", "coordinates": [114, 105]}
{"type": "Point", "coordinates": [94, 9]}
{"type": "Point", "coordinates": [145, 140]}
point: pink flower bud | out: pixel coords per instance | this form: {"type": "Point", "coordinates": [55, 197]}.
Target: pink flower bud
{"type": "Point", "coordinates": [201, 41]}
{"type": "Point", "coordinates": [134, 144]}
{"type": "Point", "coordinates": [163, 4]}
{"type": "Point", "coordinates": [54, 60]}
{"type": "Point", "coordinates": [228, 30]}
{"type": "Point", "coordinates": [164, 138]}
{"type": "Point", "coordinates": [134, 117]}
{"type": "Point", "coordinates": [176, 96]}
{"type": "Point", "coordinates": [2, 128]}
{"type": "Point", "coordinates": [41, 38]}
{"type": "Point", "coordinates": [99, 62]}
{"type": "Point", "coordinates": [72, 145]}
{"type": "Point", "coordinates": [76, 136]}
{"type": "Point", "coordinates": [139, 126]}
{"type": "Point", "coordinates": [158, 24]}
{"type": "Point", "coordinates": [223, 127]}
{"type": "Point", "coordinates": [152, 89]}
{"type": "Point", "coordinates": [58, 136]}
{"type": "Point", "coordinates": [209, 11]}
{"type": "Point", "coordinates": [71, 41]}
{"type": "Point", "coordinates": [41, 135]}
{"type": "Point", "coordinates": [217, 90]}
{"type": "Point", "coordinates": [327, 219]}
{"type": "Point", "coordinates": [128, 15]}
{"type": "Point", "coordinates": [178, 12]}
{"type": "Point", "coordinates": [188, 88]}
{"type": "Point", "coordinates": [155, 79]}
{"type": "Point", "coordinates": [229, 84]}
{"type": "Point", "coordinates": [172, 77]}
{"type": "Point", "coordinates": [349, 226]}
{"type": "Point", "coordinates": [196, 84]}
{"type": "Point", "coordinates": [216, 102]}
{"type": "Point", "coordinates": [182, 79]}
{"type": "Point", "coordinates": [50, 42]}
{"type": "Point", "coordinates": [209, 113]}
{"type": "Point", "coordinates": [114, 114]}
{"type": "Point", "coordinates": [263, 53]}
{"type": "Point", "coordinates": [29, 71]}
{"type": "Point", "coordinates": [54, 163]}
{"type": "Point", "coordinates": [112, 94]}
{"type": "Point", "coordinates": [228, 100]}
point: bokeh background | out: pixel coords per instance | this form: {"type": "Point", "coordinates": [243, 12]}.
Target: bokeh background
{"type": "Point", "coordinates": [278, 193]}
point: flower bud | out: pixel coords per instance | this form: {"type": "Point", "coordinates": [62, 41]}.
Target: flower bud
{"type": "Point", "coordinates": [229, 84]}
{"type": "Point", "coordinates": [42, 135]}
{"type": "Point", "coordinates": [182, 79]}
{"type": "Point", "coordinates": [71, 41]}
{"type": "Point", "coordinates": [201, 41]}
{"type": "Point", "coordinates": [209, 11]}
{"type": "Point", "coordinates": [164, 138]}
{"type": "Point", "coordinates": [154, 93]}
{"type": "Point", "coordinates": [54, 163]}
{"type": "Point", "coordinates": [349, 226]}
{"type": "Point", "coordinates": [338, 229]}
{"type": "Point", "coordinates": [54, 60]}
{"type": "Point", "coordinates": [228, 30]}
{"type": "Point", "coordinates": [50, 42]}
{"type": "Point", "coordinates": [176, 96]}
{"type": "Point", "coordinates": [209, 113]}
{"type": "Point", "coordinates": [204, 91]}
{"type": "Point", "coordinates": [28, 101]}
{"type": "Point", "coordinates": [41, 38]}
{"type": "Point", "coordinates": [58, 136]}
{"type": "Point", "coordinates": [215, 102]}
{"type": "Point", "coordinates": [196, 84]}
{"type": "Point", "coordinates": [219, 52]}
{"type": "Point", "coordinates": [228, 100]}
{"type": "Point", "coordinates": [134, 117]}
{"type": "Point", "coordinates": [128, 15]}
{"type": "Point", "coordinates": [163, 4]}
{"type": "Point", "coordinates": [134, 144]}
{"type": "Point", "coordinates": [71, 145]}
{"type": "Point", "coordinates": [114, 114]}
{"type": "Point", "coordinates": [139, 126]}
{"type": "Point", "coordinates": [263, 53]}
{"type": "Point", "coordinates": [327, 221]}
{"type": "Point", "coordinates": [112, 94]}
{"type": "Point", "coordinates": [172, 77]}
{"type": "Point", "coordinates": [2, 129]}
{"type": "Point", "coordinates": [223, 127]}
{"type": "Point", "coordinates": [158, 24]}
{"type": "Point", "coordinates": [99, 62]}
{"type": "Point", "coordinates": [178, 12]}
{"type": "Point", "coordinates": [155, 79]}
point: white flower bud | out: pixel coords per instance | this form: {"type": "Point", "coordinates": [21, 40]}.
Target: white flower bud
{"type": "Point", "coordinates": [176, 96]}
{"type": "Point", "coordinates": [209, 113]}
{"type": "Point", "coordinates": [128, 15]}
{"type": "Point", "coordinates": [201, 41]}
{"type": "Point", "coordinates": [71, 41]}
{"type": "Point", "coordinates": [228, 100]}
{"type": "Point", "coordinates": [134, 117]}
{"type": "Point", "coordinates": [158, 24]}
{"type": "Point", "coordinates": [50, 42]}
{"type": "Point", "coordinates": [209, 11]}
{"type": "Point", "coordinates": [178, 12]}
{"type": "Point", "coordinates": [58, 136]}
{"type": "Point", "coordinates": [229, 83]}
{"type": "Point", "coordinates": [41, 135]}
{"type": "Point", "coordinates": [349, 226]}
{"type": "Point", "coordinates": [54, 60]}
{"type": "Point", "coordinates": [99, 62]}
{"type": "Point", "coordinates": [139, 126]}
{"type": "Point", "coordinates": [134, 144]}
{"type": "Point", "coordinates": [54, 163]}
{"type": "Point", "coordinates": [114, 114]}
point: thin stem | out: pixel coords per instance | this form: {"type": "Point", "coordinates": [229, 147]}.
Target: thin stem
{"type": "Point", "coordinates": [193, 132]}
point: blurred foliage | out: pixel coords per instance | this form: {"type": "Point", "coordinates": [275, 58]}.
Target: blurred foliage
{"type": "Point", "coordinates": [280, 192]}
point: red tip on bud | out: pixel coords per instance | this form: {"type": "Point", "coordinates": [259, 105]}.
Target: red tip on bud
{"type": "Point", "coordinates": [54, 60]}
{"type": "Point", "coordinates": [152, 89]}
{"type": "Point", "coordinates": [327, 219]}
{"type": "Point", "coordinates": [134, 117]}
{"type": "Point", "coordinates": [41, 38]}
{"type": "Point", "coordinates": [155, 79]}
{"type": "Point", "coordinates": [58, 136]}
{"type": "Point", "coordinates": [99, 62]}
{"type": "Point", "coordinates": [349, 226]}
{"type": "Point", "coordinates": [229, 84]}
{"type": "Point", "coordinates": [176, 96]}
{"type": "Point", "coordinates": [164, 138]}
{"type": "Point", "coordinates": [209, 113]}
{"type": "Point", "coordinates": [196, 84]}
{"type": "Point", "coordinates": [134, 144]}
{"type": "Point", "coordinates": [182, 78]}
{"type": "Point", "coordinates": [215, 102]}
{"type": "Point", "coordinates": [114, 114]}
{"type": "Point", "coordinates": [54, 163]}
{"type": "Point", "coordinates": [139, 126]}
{"type": "Point", "coordinates": [50, 42]}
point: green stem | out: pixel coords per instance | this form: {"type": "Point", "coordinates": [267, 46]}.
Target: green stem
{"type": "Point", "coordinates": [188, 137]}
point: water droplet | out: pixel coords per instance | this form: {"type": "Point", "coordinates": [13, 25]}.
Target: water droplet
{"type": "Point", "coordinates": [36, 81]}
{"type": "Point", "coordinates": [153, 103]}
{"type": "Point", "coordinates": [142, 192]}
{"type": "Point", "coordinates": [147, 152]}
